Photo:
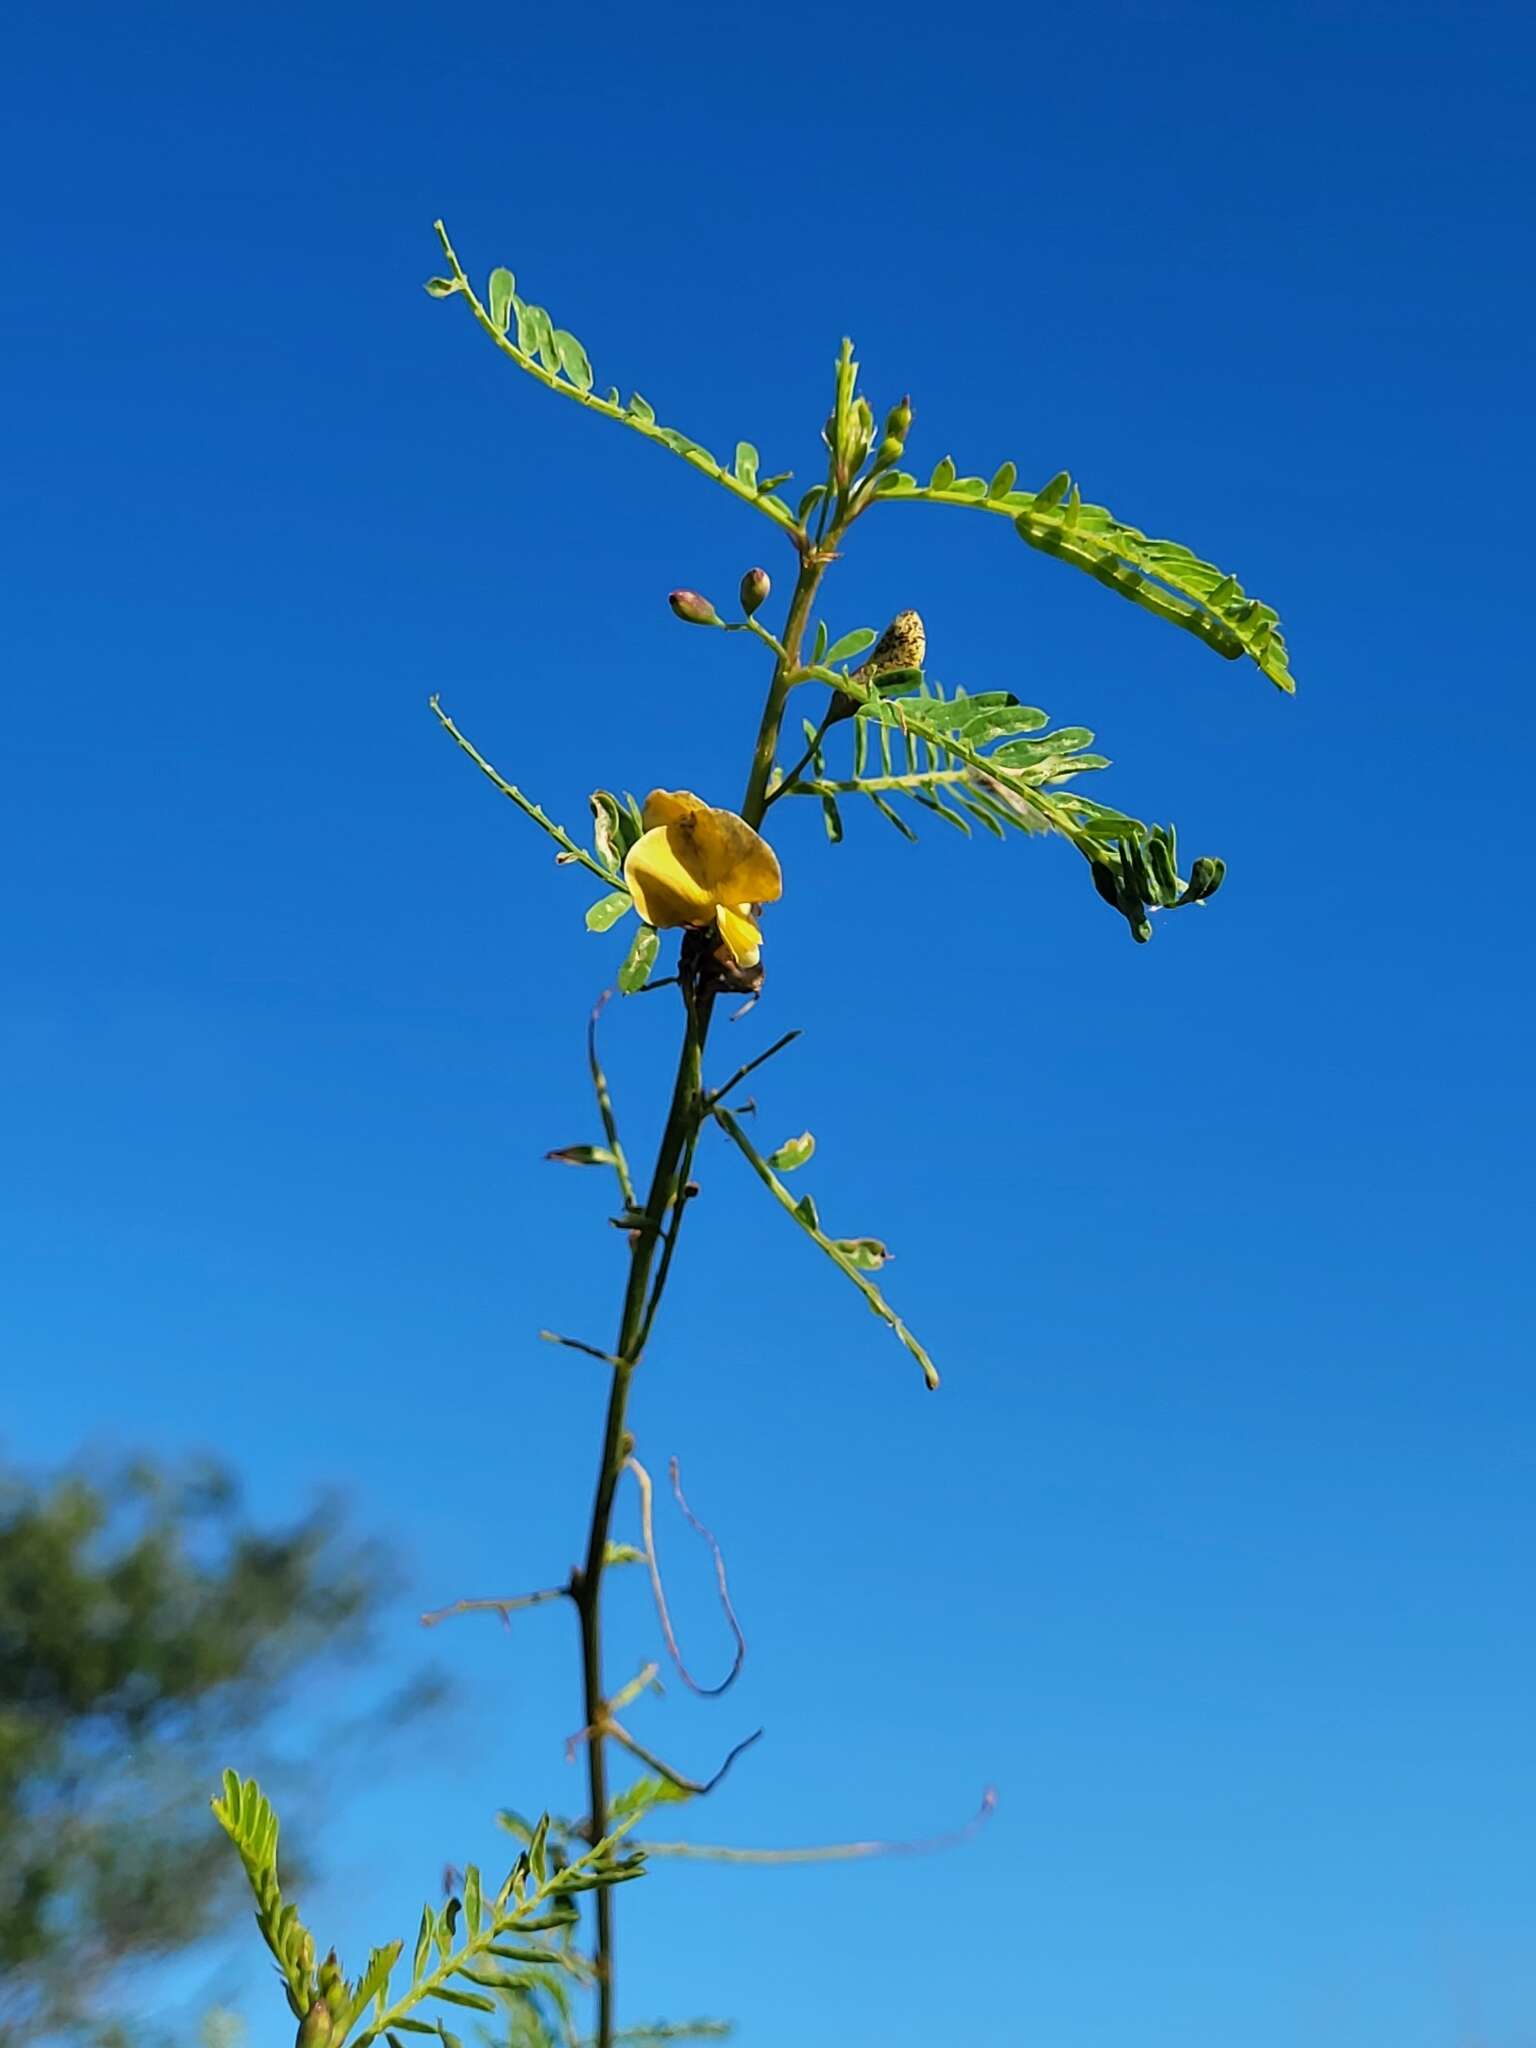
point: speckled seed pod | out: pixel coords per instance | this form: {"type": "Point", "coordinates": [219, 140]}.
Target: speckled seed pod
{"type": "Point", "coordinates": [903, 644]}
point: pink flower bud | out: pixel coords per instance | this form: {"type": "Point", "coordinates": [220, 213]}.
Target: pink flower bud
{"type": "Point", "coordinates": [693, 609]}
{"type": "Point", "coordinates": [755, 586]}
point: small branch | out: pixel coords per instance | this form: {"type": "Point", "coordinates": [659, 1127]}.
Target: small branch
{"type": "Point", "coordinates": [526, 805]}
{"type": "Point", "coordinates": [658, 1592]}
{"type": "Point", "coordinates": [790, 785]}
{"type": "Point", "coordinates": [834, 1251]}
{"type": "Point", "coordinates": [604, 1723]}
{"type": "Point", "coordinates": [833, 1852]}
{"type": "Point", "coordinates": [505, 1608]}
{"type": "Point", "coordinates": [719, 1094]}
{"type": "Point", "coordinates": [590, 401]}
{"type": "Point", "coordinates": [699, 1789]}
{"type": "Point", "coordinates": [762, 632]}
{"type": "Point", "coordinates": [575, 1344]}
{"type": "Point", "coordinates": [605, 1103]}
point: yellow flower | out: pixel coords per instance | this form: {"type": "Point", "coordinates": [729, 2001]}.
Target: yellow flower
{"type": "Point", "coordinates": [697, 866]}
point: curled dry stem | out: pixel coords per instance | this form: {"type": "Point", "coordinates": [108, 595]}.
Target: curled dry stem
{"type": "Point", "coordinates": [698, 1788]}
{"type": "Point", "coordinates": [658, 1591]}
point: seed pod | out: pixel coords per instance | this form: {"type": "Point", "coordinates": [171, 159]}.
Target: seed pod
{"type": "Point", "coordinates": [755, 586]}
{"type": "Point", "coordinates": [693, 609]}
{"type": "Point", "coordinates": [903, 644]}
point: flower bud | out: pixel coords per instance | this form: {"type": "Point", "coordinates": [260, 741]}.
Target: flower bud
{"type": "Point", "coordinates": [755, 586]}
{"type": "Point", "coordinates": [333, 1985]}
{"type": "Point", "coordinates": [315, 2028]}
{"type": "Point", "coordinates": [898, 422]}
{"type": "Point", "coordinates": [693, 609]}
{"type": "Point", "coordinates": [860, 435]}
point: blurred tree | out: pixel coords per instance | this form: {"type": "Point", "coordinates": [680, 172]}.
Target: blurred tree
{"type": "Point", "coordinates": [141, 1620]}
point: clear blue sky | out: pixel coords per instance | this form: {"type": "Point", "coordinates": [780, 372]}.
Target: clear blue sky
{"type": "Point", "coordinates": [1215, 1551]}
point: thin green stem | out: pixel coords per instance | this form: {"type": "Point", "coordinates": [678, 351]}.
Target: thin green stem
{"type": "Point", "coordinates": [762, 633]}
{"type": "Point", "coordinates": [529, 809]}
{"type": "Point", "coordinates": [862, 785]}
{"type": "Point", "coordinates": [605, 1104]}
{"type": "Point", "coordinates": [626, 415]}
{"type": "Point", "coordinates": [658, 1228]}
{"type": "Point", "coordinates": [829, 1245]}
{"type": "Point", "coordinates": [785, 675]}
{"type": "Point", "coordinates": [749, 1067]}
{"type": "Point", "coordinates": [787, 783]}
{"type": "Point", "coordinates": [665, 1190]}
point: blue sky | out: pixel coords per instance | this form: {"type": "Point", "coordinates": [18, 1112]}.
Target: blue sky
{"type": "Point", "coordinates": [1214, 1551]}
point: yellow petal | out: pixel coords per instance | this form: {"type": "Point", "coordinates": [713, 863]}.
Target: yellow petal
{"type": "Point", "coordinates": [741, 936]}
{"type": "Point", "coordinates": [666, 806]}
{"type": "Point", "coordinates": [666, 891]}
{"type": "Point", "coordinates": [739, 866]}
{"type": "Point", "coordinates": [712, 856]}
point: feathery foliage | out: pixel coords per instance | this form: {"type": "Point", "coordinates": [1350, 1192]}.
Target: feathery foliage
{"type": "Point", "coordinates": [679, 863]}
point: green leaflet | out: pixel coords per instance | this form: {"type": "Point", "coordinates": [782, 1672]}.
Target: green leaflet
{"type": "Point", "coordinates": [499, 296]}
{"type": "Point", "coordinates": [573, 359]}
{"type": "Point", "coordinates": [614, 829]}
{"type": "Point", "coordinates": [793, 1153]}
{"type": "Point", "coordinates": [850, 644]}
{"type": "Point", "coordinates": [639, 960]}
{"type": "Point", "coordinates": [642, 1795]}
{"type": "Point", "coordinates": [607, 911]}
{"type": "Point", "coordinates": [867, 1253]}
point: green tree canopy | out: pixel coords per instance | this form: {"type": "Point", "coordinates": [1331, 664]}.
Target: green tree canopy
{"type": "Point", "coordinates": [142, 1618]}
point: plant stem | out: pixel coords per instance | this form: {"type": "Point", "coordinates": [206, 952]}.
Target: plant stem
{"type": "Point", "coordinates": [662, 1215]}
{"type": "Point", "coordinates": [665, 1189]}
{"type": "Point", "coordinates": [812, 569]}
